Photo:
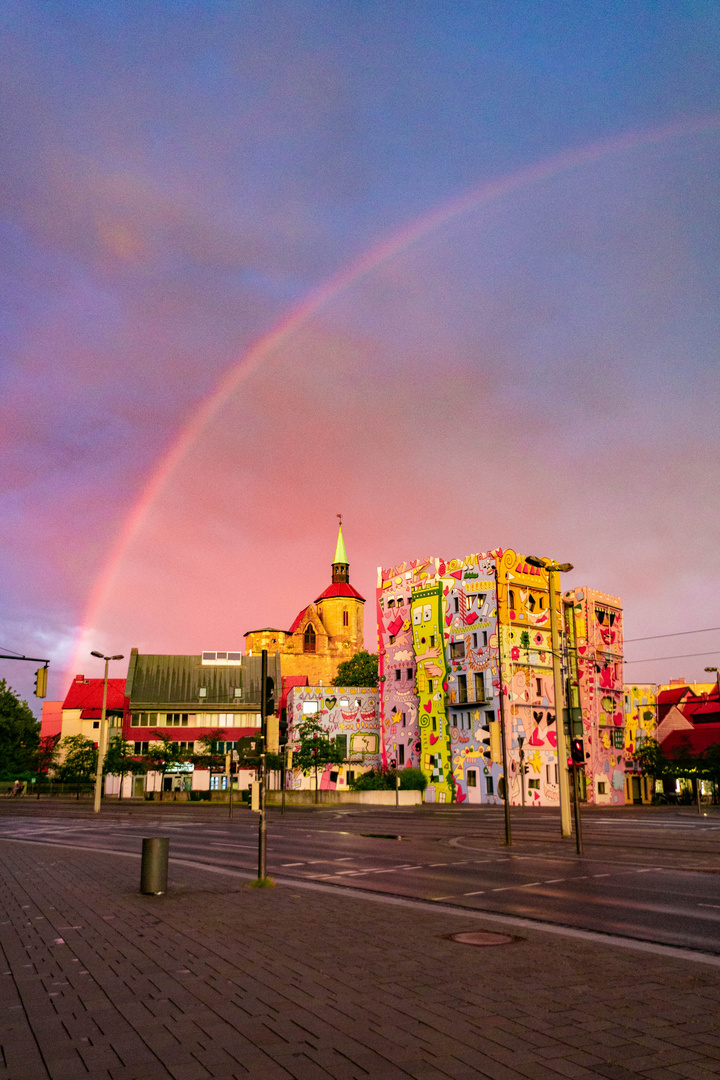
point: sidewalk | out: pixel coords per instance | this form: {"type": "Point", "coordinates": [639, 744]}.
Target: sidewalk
{"type": "Point", "coordinates": [218, 980]}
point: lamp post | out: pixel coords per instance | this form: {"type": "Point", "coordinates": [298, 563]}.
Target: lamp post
{"type": "Point", "coordinates": [101, 733]}
{"type": "Point", "coordinates": [503, 735]}
{"type": "Point", "coordinates": [553, 569]}
{"type": "Point", "coordinates": [717, 673]}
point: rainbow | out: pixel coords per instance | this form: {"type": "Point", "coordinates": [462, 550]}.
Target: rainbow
{"type": "Point", "coordinates": [369, 261]}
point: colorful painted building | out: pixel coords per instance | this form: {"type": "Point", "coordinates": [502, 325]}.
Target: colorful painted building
{"type": "Point", "coordinates": [323, 634]}
{"type": "Point", "coordinates": [349, 717]}
{"type": "Point", "coordinates": [594, 626]}
{"type": "Point", "coordinates": [640, 707]}
{"type": "Point", "coordinates": [450, 642]}
{"type": "Point", "coordinates": [439, 676]}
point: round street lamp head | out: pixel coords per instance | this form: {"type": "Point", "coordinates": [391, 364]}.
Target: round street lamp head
{"type": "Point", "coordinates": [563, 567]}
{"type": "Point", "coordinates": [535, 561]}
{"type": "Point", "coordinates": [118, 657]}
{"type": "Point", "coordinates": [711, 669]}
{"type": "Point", "coordinates": [94, 653]}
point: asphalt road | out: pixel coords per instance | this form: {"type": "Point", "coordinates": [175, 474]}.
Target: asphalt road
{"type": "Point", "coordinates": [651, 874]}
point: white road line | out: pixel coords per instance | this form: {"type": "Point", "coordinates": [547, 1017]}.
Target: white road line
{"type": "Point", "coordinates": [709, 905]}
{"type": "Point", "coordinates": [292, 864]}
{"type": "Point", "coordinates": [554, 881]}
{"type": "Point", "coordinates": [481, 892]}
{"type": "Point", "coordinates": [437, 864]}
{"type": "Point", "coordinates": [600, 875]}
{"type": "Point", "coordinates": [530, 885]}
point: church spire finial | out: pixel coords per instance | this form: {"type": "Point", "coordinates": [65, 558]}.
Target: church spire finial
{"type": "Point", "coordinates": [340, 567]}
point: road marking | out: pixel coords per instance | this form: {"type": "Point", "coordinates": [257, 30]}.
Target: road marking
{"type": "Point", "coordinates": [437, 864]}
{"type": "Point", "coordinates": [530, 885]}
{"type": "Point", "coordinates": [699, 905]}
{"type": "Point", "coordinates": [481, 892]}
{"type": "Point", "coordinates": [553, 881]}
{"type": "Point", "coordinates": [600, 875]}
{"type": "Point", "coordinates": [292, 864]}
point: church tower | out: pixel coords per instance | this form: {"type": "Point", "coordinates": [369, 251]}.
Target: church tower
{"type": "Point", "coordinates": [341, 606]}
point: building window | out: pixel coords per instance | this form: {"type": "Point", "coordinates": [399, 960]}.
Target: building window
{"type": "Point", "coordinates": [472, 778]}
{"type": "Point", "coordinates": [489, 786]}
{"type": "Point", "coordinates": [341, 743]}
{"type": "Point", "coordinates": [432, 641]}
{"type": "Point", "coordinates": [539, 687]}
{"type": "Point", "coordinates": [601, 787]}
{"type": "Point", "coordinates": [511, 600]}
{"type": "Point", "coordinates": [484, 637]}
{"type": "Point", "coordinates": [456, 602]}
{"type": "Point", "coordinates": [391, 603]}
{"type": "Point", "coordinates": [474, 641]}
{"type": "Point", "coordinates": [462, 688]}
{"type": "Point", "coordinates": [410, 672]}
{"type": "Point", "coordinates": [350, 774]}
{"type": "Point", "coordinates": [346, 618]}
{"type": "Point", "coordinates": [534, 785]}
{"type": "Point", "coordinates": [96, 723]}
{"type": "Point", "coordinates": [309, 638]}
{"type": "Point", "coordinates": [397, 674]}
{"type": "Point", "coordinates": [309, 707]}
{"type": "Point", "coordinates": [479, 686]}
{"type": "Point", "coordinates": [392, 639]}
{"type": "Point", "coordinates": [457, 650]}
{"type": "Point", "coordinates": [430, 686]}
{"type": "Point", "coordinates": [401, 754]}
{"type": "Point", "coordinates": [403, 720]}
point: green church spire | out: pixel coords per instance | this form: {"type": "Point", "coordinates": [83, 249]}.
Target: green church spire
{"type": "Point", "coordinates": [340, 556]}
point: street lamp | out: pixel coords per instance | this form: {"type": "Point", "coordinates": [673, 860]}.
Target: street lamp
{"type": "Point", "coordinates": [553, 569]}
{"type": "Point", "coordinates": [101, 735]}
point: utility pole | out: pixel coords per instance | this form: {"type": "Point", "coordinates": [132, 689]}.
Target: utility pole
{"type": "Point", "coordinates": [262, 836]}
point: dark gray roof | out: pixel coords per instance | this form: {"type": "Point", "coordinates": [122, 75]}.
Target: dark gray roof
{"type": "Point", "coordinates": [162, 680]}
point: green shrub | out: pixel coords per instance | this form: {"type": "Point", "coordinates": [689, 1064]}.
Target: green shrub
{"type": "Point", "coordinates": [199, 796]}
{"type": "Point", "coordinates": [379, 780]}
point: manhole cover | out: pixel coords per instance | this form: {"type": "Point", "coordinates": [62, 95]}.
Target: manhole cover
{"type": "Point", "coordinates": [483, 937]}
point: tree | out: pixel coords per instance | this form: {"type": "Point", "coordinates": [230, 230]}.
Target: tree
{"type": "Point", "coordinates": [19, 735]}
{"type": "Point", "coordinates": [119, 760]}
{"type": "Point", "coordinates": [360, 670]}
{"type": "Point", "coordinates": [79, 759]}
{"type": "Point", "coordinates": [651, 759]}
{"type": "Point", "coordinates": [316, 750]}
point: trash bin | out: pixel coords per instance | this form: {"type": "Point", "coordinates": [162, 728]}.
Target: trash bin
{"type": "Point", "coordinates": [154, 869]}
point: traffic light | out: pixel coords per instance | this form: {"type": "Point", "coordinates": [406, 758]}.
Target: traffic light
{"type": "Point", "coordinates": [255, 796]}
{"type": "Point", "coordinates": [41, 682]}
{"type": "Point", "coordinates": [272, 736]}
{"type": "Point", "coordinates": [283, 727]}
{"type": "Point", "coordinates": [288, 759]}
{"type": "Point", "coordinates": [577, 752]}
{"type": "Point", "coordinates": [269, 696]}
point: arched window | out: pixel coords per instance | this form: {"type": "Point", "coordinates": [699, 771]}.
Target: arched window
{"type": "Point", "coordinates": [309, 638]}
{"type": "Point", "coordinates": [346, 617]}
{"type": "Point", "coordinates": [511, 600]}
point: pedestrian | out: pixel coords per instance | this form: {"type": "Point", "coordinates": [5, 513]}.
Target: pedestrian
{"type": "Point", "coordinates": [21, 787]}
{"type": "Point", "coordinates": [15, 788]}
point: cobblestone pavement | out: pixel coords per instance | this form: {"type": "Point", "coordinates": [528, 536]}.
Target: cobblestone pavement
{"type": "Point", "coordinates": [220, 980]}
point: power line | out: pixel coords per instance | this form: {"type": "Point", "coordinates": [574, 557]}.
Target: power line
{"type": "Point", "coordinates": [680, 633]}
{"type": "Point", "coordinates": [682, 656]}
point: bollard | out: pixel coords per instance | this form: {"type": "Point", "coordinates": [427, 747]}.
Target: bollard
{"type": "Point", "coordinates": [154, 869]}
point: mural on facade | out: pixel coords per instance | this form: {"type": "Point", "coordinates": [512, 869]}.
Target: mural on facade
{"type": "Point", "coordinates": [526, 650]}
{"type": "Point", "coordinates": [444, 635]}
{"type": "Point", "coordinates": [598, 622]}
{"type": "Point", "coordinates": [640, 715]}
{"type": "Point", "coordinates": [438, 675]}
{"type": "Point", "coordinates": [349, 716]}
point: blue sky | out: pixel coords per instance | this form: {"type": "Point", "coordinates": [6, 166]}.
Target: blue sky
{"type": "Point", "coordinates": [540, 371]}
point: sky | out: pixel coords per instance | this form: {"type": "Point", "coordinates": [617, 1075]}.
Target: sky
{"type": "Point", "coordinates": [450, 269]}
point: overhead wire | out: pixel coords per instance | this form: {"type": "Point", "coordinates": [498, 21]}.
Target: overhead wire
{"type": "Point", "coordinates": [679, 633]}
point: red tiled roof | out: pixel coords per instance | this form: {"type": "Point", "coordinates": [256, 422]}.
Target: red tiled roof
{"type": "Point", "coordinates": [298, 620]}
{"type": "Point", "coordinates": [699, 738]}
{"type": "Point", "coordinates": [340, 588]}
{"type": "Point", "coordinates": [87, 695]}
